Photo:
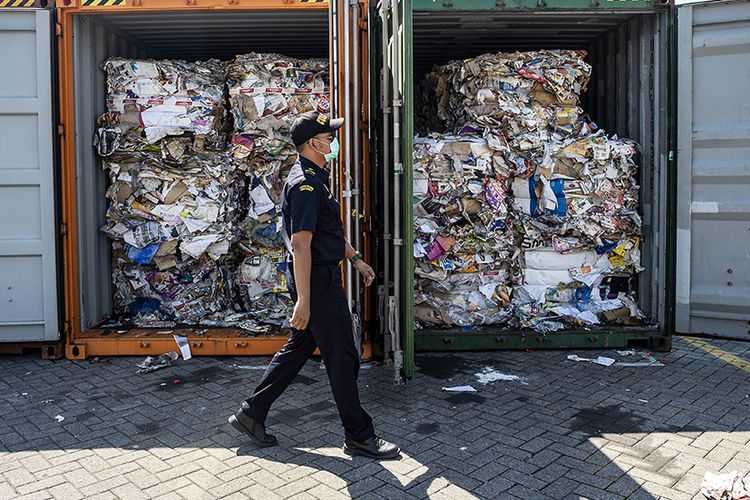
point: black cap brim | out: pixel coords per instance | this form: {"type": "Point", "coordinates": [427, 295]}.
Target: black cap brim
{"type": "Point", "coordinates": [335, 124]}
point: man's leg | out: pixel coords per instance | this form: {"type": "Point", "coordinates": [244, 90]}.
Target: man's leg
{"type": "Point", "coordinates": [331, 325]}
{"type": "Point", "coordinates": [285, 365]}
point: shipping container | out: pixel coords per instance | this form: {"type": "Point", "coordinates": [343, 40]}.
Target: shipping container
{"type": "Point", "coordinates": [671, 78]}
{"type": "Point", "coordinates": [55, 262]}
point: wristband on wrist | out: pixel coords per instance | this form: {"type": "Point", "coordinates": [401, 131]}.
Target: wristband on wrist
{"type": "Point", "coordinates": [354, 258]}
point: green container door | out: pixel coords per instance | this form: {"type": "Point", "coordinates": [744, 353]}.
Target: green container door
{"type": "Point", "coordinates": [392, 176]}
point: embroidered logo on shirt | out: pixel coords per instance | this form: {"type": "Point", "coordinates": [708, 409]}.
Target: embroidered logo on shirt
{"type": "Point", "coordinates": [305, 187]}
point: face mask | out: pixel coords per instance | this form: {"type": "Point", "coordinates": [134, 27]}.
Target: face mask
{"type": "Point", "coordinates": [334, 150]}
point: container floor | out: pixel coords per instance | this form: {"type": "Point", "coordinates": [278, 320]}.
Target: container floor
{"type": "Point", "coordinates": [487, 338]}
{"type": "Point", "coordinates": [156, 341]}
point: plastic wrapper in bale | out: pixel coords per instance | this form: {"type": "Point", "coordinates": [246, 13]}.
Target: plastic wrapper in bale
{"type": "Point", "coordinates": [150, 100]}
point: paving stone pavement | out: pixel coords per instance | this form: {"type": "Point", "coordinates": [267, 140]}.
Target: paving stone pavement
{"type": "Point", "coordinates": [562, 429]}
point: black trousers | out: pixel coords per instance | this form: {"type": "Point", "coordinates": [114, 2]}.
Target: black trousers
{"type": "Point", "coordinates": [330, 329]}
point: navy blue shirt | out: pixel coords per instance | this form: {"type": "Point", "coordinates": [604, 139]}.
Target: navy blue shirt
{"type": "Point", "coordinates": [308, 205]}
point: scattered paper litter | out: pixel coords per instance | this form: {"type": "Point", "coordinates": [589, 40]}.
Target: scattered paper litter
{"type": "Point", "coordinates": [248, 367]}
{"type": "Point", "coordinates": [604, 361]}
{"type": "Point", "coordinates": [182, 343]}
{"type": "Point", "coordinates": [731, 486]}
{"type": "Point", "coordinates": [649, 361]}
{"type": "Point", "coordinates": [151, 364]}
{"type": "Point", "coordinates": [489, 374]}
{"type": "Point", "coordinates": [460, 388]}
{"type": "Point", "coordinates": [574, 357]}
{"type": "Point", "coordinates": [59, 418]}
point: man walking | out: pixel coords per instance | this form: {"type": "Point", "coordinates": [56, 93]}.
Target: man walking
{"type": "Point", "coordinates": [314, 236]}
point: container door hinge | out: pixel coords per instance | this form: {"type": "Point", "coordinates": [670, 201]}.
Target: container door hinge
{"type": "Point", "coordinates": [60, 129]}
{"type": "Point", "coordinates": [58, 29]}
{"type": "Point", "coordinates": [63, 229]}
{"type": "Point", "coordinates": [66, 327]}
{"type": "Point", "coordinates": [362, 24]}
{"type": "Point", "coordinates": [398, 242]}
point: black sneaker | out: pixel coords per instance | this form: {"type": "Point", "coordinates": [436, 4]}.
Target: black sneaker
{"type": "Point", "coordinates": [373, 448]}
{"type": "Point", "coordinates": [252, 428]}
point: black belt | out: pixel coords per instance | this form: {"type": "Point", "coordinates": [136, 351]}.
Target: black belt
{"type": "Point", "coordinates": [322, 262]}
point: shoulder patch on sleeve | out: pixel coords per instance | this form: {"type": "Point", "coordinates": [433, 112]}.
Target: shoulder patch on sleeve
{"type": "Point", "coordinates": [306, 187]}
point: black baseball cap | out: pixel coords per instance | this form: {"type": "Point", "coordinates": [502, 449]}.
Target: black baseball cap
{"type": "Point", "coordinates": [308, 125]}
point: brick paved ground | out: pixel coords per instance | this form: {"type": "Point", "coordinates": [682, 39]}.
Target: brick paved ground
{"type": "Point", "coordinates": [566, 429]}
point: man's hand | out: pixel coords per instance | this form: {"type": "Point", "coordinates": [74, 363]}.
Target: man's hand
{"type": "Point", "coordinates": [366, 271]}
{"type": "Point", "coordinates": [301, 315]}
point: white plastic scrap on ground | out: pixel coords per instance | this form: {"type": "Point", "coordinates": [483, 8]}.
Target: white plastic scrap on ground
{"type": "Point", "coordinates": [731, 486]}
{"type": "Point", "coordinates": [151, 364]}
{"type": "Point", "coordinates": [489, 374]}
{"type": "Point", "coordinates": [648, 359]}
{"type": "Point", "coordinates": [460, 388]}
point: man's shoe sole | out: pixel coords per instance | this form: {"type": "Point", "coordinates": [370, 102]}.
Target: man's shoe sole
{"type": "Point", "coordinates": [241, 428]}
{"type": "Point", "coordinates": [364, 453]}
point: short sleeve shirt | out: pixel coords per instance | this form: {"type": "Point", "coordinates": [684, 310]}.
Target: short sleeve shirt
{"type": "Point", "coordinates": [308, 205]}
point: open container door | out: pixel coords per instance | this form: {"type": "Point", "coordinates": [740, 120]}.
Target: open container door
{"type": "Point", "coordinates": [395, 192]}
{"type": "Point", "coordinates": [28, 263]}
{"type": "Point", "coordinates": [350, 91]}
{"type": "Point", "coordinates": [713, 208]}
